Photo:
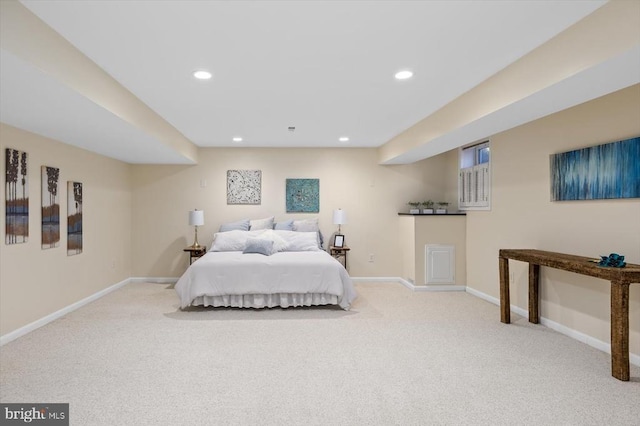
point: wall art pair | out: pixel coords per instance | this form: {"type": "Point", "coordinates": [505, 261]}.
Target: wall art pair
{"type": "Point", "coordinates": [245, 187]}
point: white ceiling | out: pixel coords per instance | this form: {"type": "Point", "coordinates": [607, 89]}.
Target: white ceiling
{"type": "Point", "coordinates": [325, 67]}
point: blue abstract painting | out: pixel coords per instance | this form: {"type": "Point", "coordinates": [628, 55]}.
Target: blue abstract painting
{"type": "Point", "coordinates": [605, 171]}
{"type": "Point", "coordinates": [303, 195]}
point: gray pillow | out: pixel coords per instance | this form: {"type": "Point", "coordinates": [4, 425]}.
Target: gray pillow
{"type": "Point", "coordinates": [287, 225]}
{"type": "Point", "coordinates": [260, 246]}
{"type": "Point", "coordinates": [241, 225]}
{"type": "Point", "coordinates": [256, 224]}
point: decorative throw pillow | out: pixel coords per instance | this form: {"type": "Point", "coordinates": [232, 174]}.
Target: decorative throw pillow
{"type": "Point", "coordinates": [266, 223]}
{"type": "Point", "coordinates": [260, 246]}
{"type": "Point", "coordinates": [241, 225]}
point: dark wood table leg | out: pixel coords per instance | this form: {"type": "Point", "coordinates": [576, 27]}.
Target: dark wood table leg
{"type": "Point", "coordinates": [620, 330]}
{"type": "Point", "coordinates": [534, 296]}
{"type": "Point", "coordinates": [505, 302]}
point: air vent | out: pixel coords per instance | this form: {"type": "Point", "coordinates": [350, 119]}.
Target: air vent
{"type": "Point", "coordinates": [291, 128]}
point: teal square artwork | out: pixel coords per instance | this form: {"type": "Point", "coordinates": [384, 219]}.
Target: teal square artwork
{"type": "Point", "coordinates": [303, 195]}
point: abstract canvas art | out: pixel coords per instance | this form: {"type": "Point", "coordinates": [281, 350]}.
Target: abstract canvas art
{"type": "Point", "coordinates": [16, 190]}
{"type": "Point", "coordinates": [50, 207]}
{"type": "Point", "coordinates": [74, 218]}
{"type": "Point", "coordinates": [244, 186]}
{"type": "Point", "coordinates": [605, 171]}
{"type": "Point", "coordinates": [303, 195]}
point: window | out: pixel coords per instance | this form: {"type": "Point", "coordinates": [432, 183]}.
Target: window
{"type": "Point", "coordinates": [474, 179]}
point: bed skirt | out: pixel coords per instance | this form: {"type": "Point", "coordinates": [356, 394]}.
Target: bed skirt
{"type": "Point", "coordinates": [283, 300]}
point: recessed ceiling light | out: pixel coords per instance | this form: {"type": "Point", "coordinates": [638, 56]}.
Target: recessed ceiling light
{"type": "Point", "coordinates": [237, 139]}
{"type": "Point", "coordinates": [404, 74]}
{"type": "Point", "coordinates": [202, 75]}
{"type": "Point", "coordinates": [343, 139]}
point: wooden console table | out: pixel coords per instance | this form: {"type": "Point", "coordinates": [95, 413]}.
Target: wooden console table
{"type": "Point", "coordinates": [620, 279]}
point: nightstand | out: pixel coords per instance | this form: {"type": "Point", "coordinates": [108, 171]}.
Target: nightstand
{"type": "Point", "coordinates": [195, 253]}
{"type": "Point", "coordinates": [340, 253]}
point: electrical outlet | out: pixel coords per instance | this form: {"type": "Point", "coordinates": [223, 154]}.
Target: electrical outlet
{"type": "Point", "coordinates": [371, 257]}
{"type": "Point", "coordinates": [512, 277]}
{"type": "Point", "coordinates": [113, 264]}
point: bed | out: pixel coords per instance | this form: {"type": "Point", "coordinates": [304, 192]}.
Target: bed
{"type": "Point", "coordinates": [265, 269]}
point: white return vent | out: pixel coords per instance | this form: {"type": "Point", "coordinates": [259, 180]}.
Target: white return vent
{"type": "Point", "coordinates": [439, 264]}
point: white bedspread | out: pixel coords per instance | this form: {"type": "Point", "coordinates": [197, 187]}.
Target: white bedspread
{"type": "Point", "coordinates": [233, 273]}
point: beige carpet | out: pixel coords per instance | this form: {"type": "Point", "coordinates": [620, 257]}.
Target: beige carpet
{"type": "Point", "coordinates": [397, 358]}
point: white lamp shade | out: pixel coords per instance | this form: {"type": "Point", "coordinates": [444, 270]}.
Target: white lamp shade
{"type": "Point", "coordinates": [339, 217]}
{"type": "Point", "coordinates": [196, 218]}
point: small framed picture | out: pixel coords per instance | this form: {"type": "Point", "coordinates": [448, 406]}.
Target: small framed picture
{"type": "Point", "coordinates": [338, 241]}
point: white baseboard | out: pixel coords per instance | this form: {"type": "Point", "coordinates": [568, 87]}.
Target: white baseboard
{"type": "Point", "coordinates": [443, 287]}
{"type": "Point", "coordinates": [157, 280]}
{"type": "Point", "coordinates": [57, 314]}
{"type": "Point", "coordinates": [562, 329]}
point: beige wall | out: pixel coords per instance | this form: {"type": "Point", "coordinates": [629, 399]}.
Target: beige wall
{"type": "Point", "coordinates": [350, 179]}
{"type": "Point", "coordinates": [35, 282]}
{"type": "Point", "coordinates": [522, 216]}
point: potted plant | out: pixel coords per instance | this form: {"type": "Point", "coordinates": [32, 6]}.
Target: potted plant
{"type": "Point", "coordinates": [414, 205]}
{"type": "Point", "coordinates": [442, 209]}
{"type": "Point", "coordinates": [428, 207]}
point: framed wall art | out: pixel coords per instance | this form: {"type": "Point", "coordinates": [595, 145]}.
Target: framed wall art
{"type": "Point", "coordinates": [74, 218]}
{"type": "Point", "coordinates": [611, 170]}
{"type": "Point", "coordinates": [16, 191]}
{"type": "Point", "coordinates": [50, 207]}
{"type": "Point", "coordinates": [303, 195]}
{"type": "Point", "coordinates": [244, 186]}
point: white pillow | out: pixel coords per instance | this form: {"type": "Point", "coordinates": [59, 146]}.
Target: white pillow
{"type": "Point", "coordinates": [232, 240]}
{"type": "Point", "coordinates": [307, 225]}
{"type": "Point", "coordinates": [279, 244]}
{"type": "Point", "coordinates": [266, 223]}
{"type": "Point", "coordinates": [299, 241]}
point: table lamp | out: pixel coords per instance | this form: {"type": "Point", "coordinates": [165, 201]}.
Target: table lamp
{"type": "Point", "coordinates": [339, 218]}
{"type": "Point", "coordinates": [196, 218]}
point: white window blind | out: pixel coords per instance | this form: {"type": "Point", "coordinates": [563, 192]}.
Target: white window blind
{"type": "Point", "coordinates": [474, 182]}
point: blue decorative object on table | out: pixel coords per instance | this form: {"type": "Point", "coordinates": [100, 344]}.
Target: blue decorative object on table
{"type": "Point", "coordinates": [614, 260]}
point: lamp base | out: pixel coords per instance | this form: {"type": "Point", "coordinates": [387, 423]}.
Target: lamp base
{"type": "Point", "coordinates": [195, 245]}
